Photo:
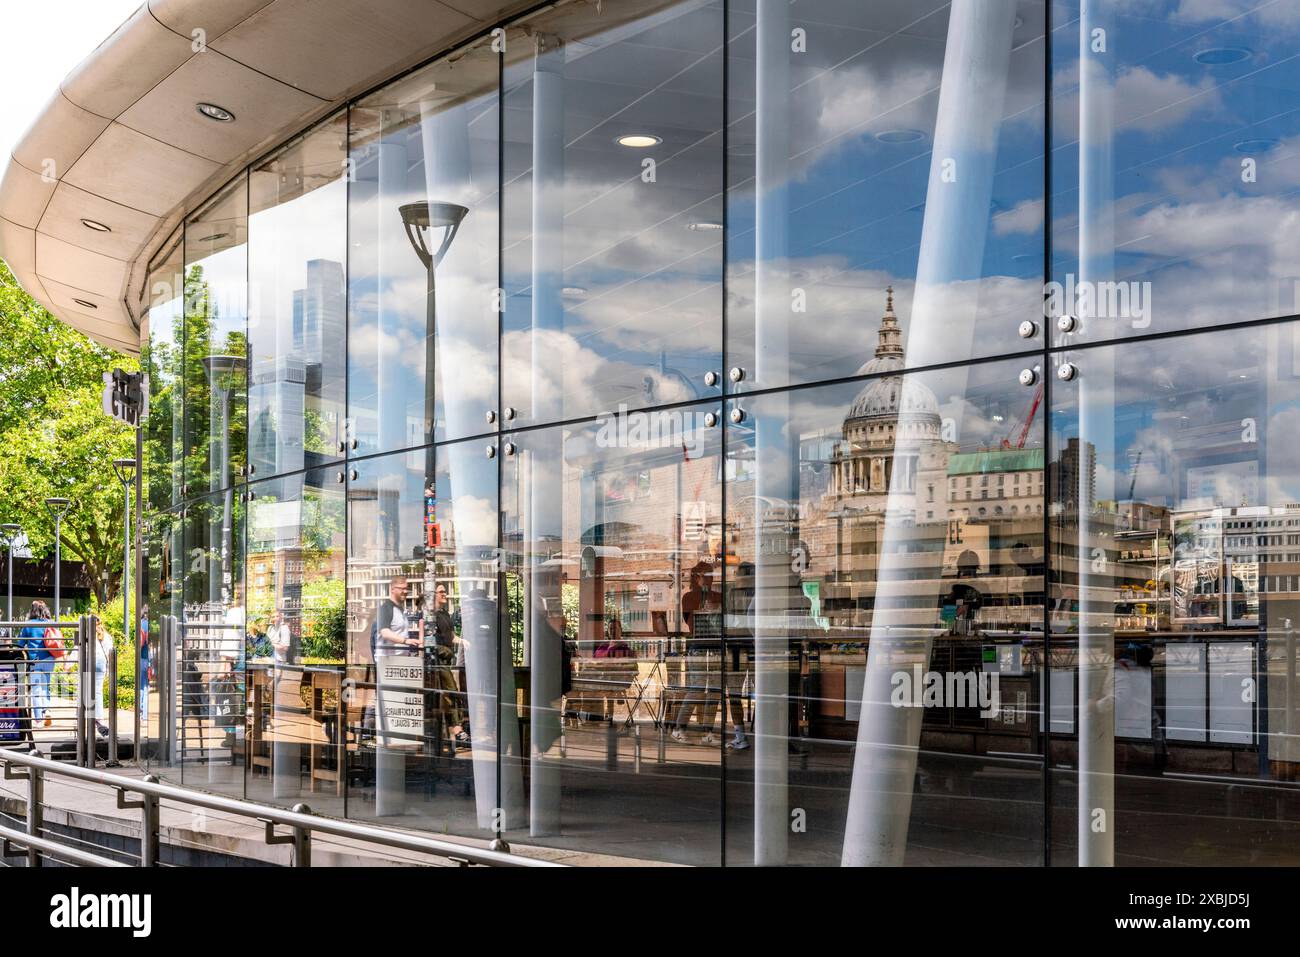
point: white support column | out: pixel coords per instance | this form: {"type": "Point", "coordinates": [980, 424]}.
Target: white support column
{"type": "Point", "coordinates": [773, 446]}
{"type": "Point", "coordinates": [394, 263]}
{"type": "Point", "coordinates": [976, 63]}
{"type": "Point", "coordinates": [1096, 385]}
{"type": "Point", "coordinates": [545, 479]}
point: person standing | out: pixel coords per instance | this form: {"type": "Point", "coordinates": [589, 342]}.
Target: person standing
{"type": "Point", "coordinates": [701, 605]}
{"type": "Point", "coordinates": [103, 642]}
{"type": "Point", "coordinates": [41, 659]}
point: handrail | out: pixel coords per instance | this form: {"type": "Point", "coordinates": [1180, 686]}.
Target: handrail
{"type": "Point", "coordinates": [304, 823]}
{"type": "Point", "coordinates": [28, 842]}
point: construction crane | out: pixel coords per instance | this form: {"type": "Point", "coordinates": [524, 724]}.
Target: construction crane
{"type": "Point", "coordinates": [1029, 420]}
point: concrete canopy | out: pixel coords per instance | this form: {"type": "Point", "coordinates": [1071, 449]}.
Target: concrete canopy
{"type": "Point", "coordinates": [121, 142]}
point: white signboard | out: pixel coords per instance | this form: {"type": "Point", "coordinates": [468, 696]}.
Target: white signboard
{"type": "Point", "coordinates": [1232, 692]}
{"type": "Point", "coordinates": [1185, 692]}
{"type": "Point", "coordinates": [400, 706]}
{"type": "Point", "coordinates": [1132, 700]}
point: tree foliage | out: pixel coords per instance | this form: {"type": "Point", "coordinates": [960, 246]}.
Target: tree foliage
{"type": "Point", "coordinates": [55, 438]}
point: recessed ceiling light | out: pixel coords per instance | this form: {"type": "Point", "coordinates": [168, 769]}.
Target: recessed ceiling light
{"type": "Point", "coordinates": [899, 136]}
{"type": "Point", "coordinates": [705, 227]}
{"type": "Point", "coordinates": [96, 226]}
{"type": "Point", "coordinates": [85, 303]}
{"type": "Point", "coordinates": [638, 141]}
{"type": "Point", "coordinates": [213, 238]}
{"type": "Point", "coordinates": [1220, 56]}
{"type": "Point", "coordinates": [1255, 146]}
{"type": "Point", "coordinates": [214, 112]}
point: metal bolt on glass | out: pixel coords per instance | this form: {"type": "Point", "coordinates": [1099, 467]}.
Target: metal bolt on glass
{"type": "Point", "coordinates": [1067, 323]}
{"type": "Point", "coordinates": [710, 378]}
{"type": "Point", "coordinates": [737, 415]}
{"type": "Point", "coordinates": [1028, 377]}
{"type": "Point", "coordinates": [491, 451]}
{"type": "Point", "coordinates": [510, 448]}
{"type": "Point", "coordinates": [510, 412]}
{"type": "Point", "coordinates": [1066, 371]}
{"type": "Point", "coordinates": [1028, 329]}
{"type": "Point", "coordinates": [710, 419]}
{"type": "Point", "coordinates": [737, 374]}
{"type": "Point", "coordinates": [491, 416]}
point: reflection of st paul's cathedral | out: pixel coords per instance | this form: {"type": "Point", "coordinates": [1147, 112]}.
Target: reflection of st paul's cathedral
{"type": "Point", "coordinates": [893, 438]}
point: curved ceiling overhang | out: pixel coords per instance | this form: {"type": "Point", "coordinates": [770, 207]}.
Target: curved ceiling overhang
{"type": "Point", "coordinates": [122, 144]}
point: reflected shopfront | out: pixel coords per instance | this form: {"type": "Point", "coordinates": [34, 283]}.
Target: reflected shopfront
{"type": "Point", "coordinates": [748, 433]}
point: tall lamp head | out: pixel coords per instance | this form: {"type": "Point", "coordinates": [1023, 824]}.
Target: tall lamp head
{"type": "Point", "coordinates": [125, 469]}
{"type": "Point", "coordinates": [58, 507]}
{"type": "Point", "coordinates": [10, 532]}
{"type": "Point", "coordinates": [431, 227]}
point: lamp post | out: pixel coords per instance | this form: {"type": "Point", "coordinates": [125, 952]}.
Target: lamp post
{"type": "Point", "coordinates": [11, 533]}
{"type": "Point", "coordinates": [125, 469]}
{"type": "Point", "coordinates": [58, 508]}
{"type": "Point", "coordinates": [430, 229]}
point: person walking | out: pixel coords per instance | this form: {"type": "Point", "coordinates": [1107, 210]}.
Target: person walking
{"type": "Point", "coordinates": [103, 642]}
{"type": "Point", "coordinates": [41, 657]}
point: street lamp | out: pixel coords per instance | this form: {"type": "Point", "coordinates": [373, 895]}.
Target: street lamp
{"type": "Point", "coordinates": [430, 228]}
{"type": "Point", "coordinates": [58, 508]}
{"type": "Point", "coordinates": [125, 469]}
{"type": "Point", "coordinates": [11, 532]}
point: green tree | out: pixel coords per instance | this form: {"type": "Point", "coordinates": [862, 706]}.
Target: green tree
{"type": "Point", "coordinates": [56, 439]}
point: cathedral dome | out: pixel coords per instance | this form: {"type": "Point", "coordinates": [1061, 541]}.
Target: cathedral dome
{"type": "Point", "coordinates": [892, 396]}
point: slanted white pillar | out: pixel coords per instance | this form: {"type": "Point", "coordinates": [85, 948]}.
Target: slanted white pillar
{"type": "Point", "coordinates": [394, 261]}
{"type": "Point", "coordinates": [976, 63]}
{"type": "Point", "coordinates": [773, 445]}
{"type": "Point", "coordinates": [464, 299]}
{"type": "Point", "coordinates": [1096, 398]}
{"type": "Point", "coordinates": [545, 478]}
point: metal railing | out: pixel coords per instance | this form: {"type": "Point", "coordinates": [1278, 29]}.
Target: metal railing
{"type": "Point", "coordinates": [149, 792]}
{"type": "Point", "coordinates": [32, 701]}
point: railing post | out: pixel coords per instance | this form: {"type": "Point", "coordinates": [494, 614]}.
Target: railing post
{"type": "Point", "coordinates": [301, 839]}
{"type": "Point", "coordinates": [35, 804]}
{"type": "Point", "coordinates": [149, 826]}
{"type": "Point", "coordinates": [79, 711]}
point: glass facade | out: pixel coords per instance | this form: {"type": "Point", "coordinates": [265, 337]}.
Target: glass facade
{"type": "Point", "coordinates": [750, 432]}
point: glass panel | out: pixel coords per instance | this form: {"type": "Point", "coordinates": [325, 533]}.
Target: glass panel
{"type": "Point", "coordinates": [161, 359]}
{"type": "Point", "coordinates": [423, 626]}
{"type": "Point", "coordinates": [208, 665]}
{"type": "Point", "coordinates": [216, 340]}
{"type": "Point", "coordinates": [163, 570]}
{"type": "Point", "coordinates": [884, 608]}
{"type": "Point", "coordinates": [423, 226]}
{"type": "Point", "coordinates": [613, 208]}
{"type": "Point", "coordinates": [297, 232]}
{"type": "Point", "coordinates": [1176, 587]}
{"type": "Point", "coordinates": [612, 534]}
{"type": "Point", "coordinates": [1174, 152]}
{"type": "Point", "coordinates": [877, 145]}
{"type": "Point", "coordinates": [296, 635]}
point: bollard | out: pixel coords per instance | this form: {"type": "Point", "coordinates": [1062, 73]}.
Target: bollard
{"type": "Point", "coordinates": [663, 734]}
{"type": "Point", "coordinates": [636, 749]}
